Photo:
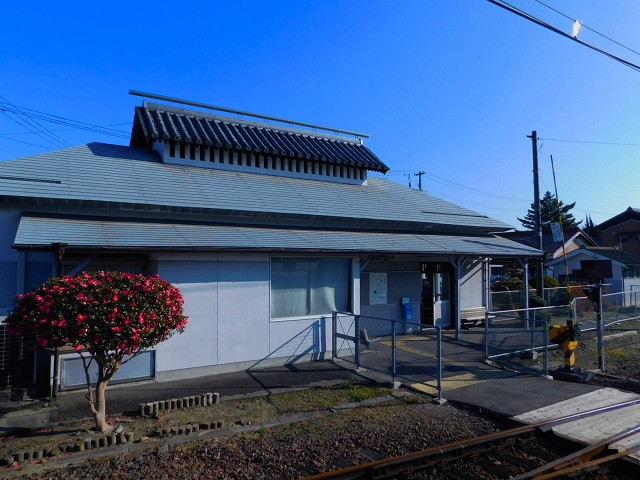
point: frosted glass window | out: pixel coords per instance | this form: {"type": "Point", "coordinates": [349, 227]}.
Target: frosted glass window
{"type": "Point", "coordinates": [309, 286]}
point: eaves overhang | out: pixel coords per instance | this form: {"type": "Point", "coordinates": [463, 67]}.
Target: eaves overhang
{"type": "Point", "coordinates": [36, 232]}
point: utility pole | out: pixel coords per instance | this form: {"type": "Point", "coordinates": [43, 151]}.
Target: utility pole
{"type": "Point", "coordinates": [536, 211]}
{"type": "Point", "coordinates": [409, 177]}
{"type": "Point", "coordinates": [419, 174]}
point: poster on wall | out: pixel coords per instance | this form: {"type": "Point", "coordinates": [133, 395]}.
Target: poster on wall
{"type": "Point", "coordinates": [377, 288]}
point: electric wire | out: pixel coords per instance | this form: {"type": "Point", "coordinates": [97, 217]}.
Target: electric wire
{"type": "Point", "coordinates": [537, 21]}
{"type": "Point", "coordinates": [37, 115]}
{"type": "Point", "coordinates": [592, 142]}
{"type": "Point", "coordinates": [26, 143]}
{"type": "Point", "coordinates": [588, 28]}
{"type": "Point", "coordinates": [451, 183]}
{"type": "Point", "coordinates": [37, 125]}
{"type": "Point", "coordinates": [15, 119]}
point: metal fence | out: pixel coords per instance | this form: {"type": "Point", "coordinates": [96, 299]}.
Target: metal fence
{"type": "Point", "coordinates": [511, 341]}
{"type": "Point", "coordinates": [616, 315]}
{"type": "Point", "coordinates": [519, 339]}
{"type": "Point", "coordinates": [400, 349]}
{"type": "Point", "coordinates": [16, 362]}
{"type": "Point", "coordinates": [557, 296]}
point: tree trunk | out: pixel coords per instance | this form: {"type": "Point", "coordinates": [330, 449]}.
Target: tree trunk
{"type": "Point", "coordinates": [97, 402]}
{"type": "Point", "coordinates": [100, 407]}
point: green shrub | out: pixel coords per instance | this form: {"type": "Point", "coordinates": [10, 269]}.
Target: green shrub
{"type": "Point", "coordinates": [550, 282]}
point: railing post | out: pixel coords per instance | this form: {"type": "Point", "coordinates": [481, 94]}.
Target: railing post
{"type": "Point", "coordinates": [600, 320]}
{"type": "Point", "coordinates": [439, 354]}
{"type": "Point", "coordinates": [356, 338]}
{"type": "Point", "coordinates": [486, 335]}
{"type": "Point", "coordinates": [393, 349]}
{"type": "Point", "coordinates": [334, 329]}
{"type": "Point", "coordinates": [545, 339]}
{"type": "Point", "coordinates": [532, 322]}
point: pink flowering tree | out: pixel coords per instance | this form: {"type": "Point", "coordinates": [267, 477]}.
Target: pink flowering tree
{"type": "Point", "coordinates": [112, 316]}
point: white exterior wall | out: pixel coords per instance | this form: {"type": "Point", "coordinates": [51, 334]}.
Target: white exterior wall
{"type": "Point", "coordinates": [227, 299]}
{"type": "Point", "coordinates": [632, 284]}
{"type": "Point", "coordinates": [472, 284]}
{"type": "Point", "coordinates": [198, 345]}
{"type": "Point", "coordinates": [403, 280]}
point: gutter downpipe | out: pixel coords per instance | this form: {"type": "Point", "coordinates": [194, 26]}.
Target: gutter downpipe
{"type": "Point", "coordinates": [58, 249]}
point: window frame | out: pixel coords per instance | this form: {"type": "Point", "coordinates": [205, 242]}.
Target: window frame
{"type": "Point", "coordinates": [349, 281]}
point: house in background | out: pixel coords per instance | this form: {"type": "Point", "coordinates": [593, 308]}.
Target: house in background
{"type": "Point", "coordinates": [625, 267]}
{"type": "Point", "coordinates": [622, 231]}
{"type": "Point", "coordinates": [265, 228]}
{"type": "Point", "coordinates": [574, 238]}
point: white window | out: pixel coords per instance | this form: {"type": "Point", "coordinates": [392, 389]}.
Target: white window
{"type": "Point", "coordinates": [302, 287]}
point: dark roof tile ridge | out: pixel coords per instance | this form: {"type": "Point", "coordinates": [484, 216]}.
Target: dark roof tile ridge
{"type": "Point", "coordinates": [249, 123]}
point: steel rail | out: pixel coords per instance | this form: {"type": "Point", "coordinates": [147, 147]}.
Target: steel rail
{"type": "Point", "coordinates": [390, 467]}
{"type": "Point", "coordinates": [582, 458]}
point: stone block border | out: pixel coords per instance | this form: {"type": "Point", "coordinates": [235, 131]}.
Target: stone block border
{"type": "Point", "coordinates": [119, 437]}
{"type": "Point", "coordinates": [151, 409]}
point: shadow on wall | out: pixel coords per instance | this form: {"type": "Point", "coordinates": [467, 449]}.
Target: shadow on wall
{"type": "Point", "coordinates": [309, 344]}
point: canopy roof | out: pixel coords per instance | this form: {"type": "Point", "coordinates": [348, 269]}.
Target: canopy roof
{"type": "Point", "coordinates": [41, 232]}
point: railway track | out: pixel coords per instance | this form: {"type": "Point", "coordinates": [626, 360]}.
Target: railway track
{"type": "Point", "coordinates": [520, 453]}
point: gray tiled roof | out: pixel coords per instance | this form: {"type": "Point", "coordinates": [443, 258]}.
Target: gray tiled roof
{"type": "Point", "coordinates": [36, 231]}
{"type": "Point", "coordinates": [549, 245]}
{"type": "Point", "coordinates": [112, 176]}
{"type": "Point", "coordinates": [628, 215]}
{"type": "Point", "coordinates": [161, 122]}
{"type": "Point", "coordinates": [629, 259]}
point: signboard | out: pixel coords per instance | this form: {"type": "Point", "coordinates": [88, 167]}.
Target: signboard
{"type": "Point", "coordinates": [556, 232]}
{"type": "Point", "coordinates": [596, 269]}
{"type": "Point", "coordinates": [377, 288]}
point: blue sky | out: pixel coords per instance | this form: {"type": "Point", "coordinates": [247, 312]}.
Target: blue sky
{"type": "Point", "coordinates": [449, 87]}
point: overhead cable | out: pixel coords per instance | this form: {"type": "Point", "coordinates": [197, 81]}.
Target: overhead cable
{"type": "Point", "coordinates": [592, 142]}
{"type": "Point", "coordinates": [7, 107]}
{"type": "Point", "coordinates": [531, 18]}
{"type": "Point", "coordinates": [33, 125]}
{"type": "Point", "coordinates": [588, 28]}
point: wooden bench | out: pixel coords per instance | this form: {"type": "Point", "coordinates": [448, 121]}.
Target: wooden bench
{"type": "Point", "coordinates": [365, 339]}
{"type": "Point", "coordinates": [473, 315]}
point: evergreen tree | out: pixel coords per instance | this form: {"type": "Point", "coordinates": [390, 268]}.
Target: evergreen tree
{"type": "Point", "coordinates": [590, 228]}
{"type": "Point", "coordinates": [549, 214]}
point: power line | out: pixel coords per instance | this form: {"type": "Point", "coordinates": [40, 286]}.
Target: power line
{"type": "Point", "coordinates": [593, 142]}
{"type": "Point", "coordinates": [451, 183]}
{"type": "Point", "coordinates": [26, 143]}
{"type": "Point", "coordinates": [34, 126]}
{"type": "Point", "coordinates": [6, 134]}
{"type": "Point", "coordinates": [35, 114]}
{"type": "Point", "coordinates": [531, 18]}
{"type": "Point", "coordinates": [14, 118]}
{"type": "Point", "coordinates": [588, 28]}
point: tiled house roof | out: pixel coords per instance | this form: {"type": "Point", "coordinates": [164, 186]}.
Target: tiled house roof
{"type": "Point", "coordinates": [549, 245]}
{"type": "Point", "coordinates": [629, 214]}
{"type": "Point", "coordinates": [154, 122]}
{"type": "Point", "coordinates": [135, 179]}
{"type": "Point", "coordinates": [629, 259]}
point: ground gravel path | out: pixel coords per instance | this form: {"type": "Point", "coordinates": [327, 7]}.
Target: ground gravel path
{"type": "Point", "coordinates": [293, 450]}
